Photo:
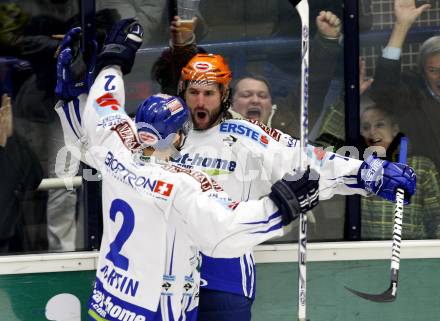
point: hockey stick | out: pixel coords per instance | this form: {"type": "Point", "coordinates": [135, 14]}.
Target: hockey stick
{"type": "Point", "coordinates": [88, 12]}
{"type": "Point", "coordinates": [302, 6]}
{"type": "Point", "coordinates": [390, 294]}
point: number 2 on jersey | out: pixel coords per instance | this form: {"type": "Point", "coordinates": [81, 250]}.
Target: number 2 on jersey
{"type": "Point", "coordinates": [114, 255]}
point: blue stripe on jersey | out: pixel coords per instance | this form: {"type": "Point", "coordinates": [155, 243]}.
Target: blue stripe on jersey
{"type": "Point", "coordinates": [226, 275]}
{"type": "Point", "coordinates": [169, 309]}
{"type": "Point", "coordinates": [273, 216]}
{"type": "Point", "coordinates": [249, 271]}
{"type": "Point", "coordinates": [172, 255]}
{"type": "Point", "coordinates": [188, 315]}
{"type": "Point", "coordinates": [69, 119]}
{"type": "Point", "coordinates": [252, 277]}
{"type": "Point", "coordinates": [76, 107]}
{"type": "Point", "coordinates": [270, 229]}
{"type": "Point", "coordinates": [244, 271]}
{"type": "Point", "coordinates": [355, 179]}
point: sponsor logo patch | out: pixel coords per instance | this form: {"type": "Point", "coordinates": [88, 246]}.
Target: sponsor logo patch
{"type": "Point", "coordinates": [110, 121]}
{"type": "Point", "coordinates": [157, 188]}
{"type": "Point", "coordinates": [216, 166]}
{"type": "Point", "coordinates": [104, 305]}
{"type": "Point", "coordinates": [233, 205]}
{"type": "Point", "coordinates": [202, 66]}
{"type": "Point", "coordinates": [167, 285]}
{"type": "Point", "coordinates": [319, 153]}
{"type": "Point", "coordinates": [108, 101]}
{"type": "Point", "coordinates": [243, 130]}
{"type": "Point", "coordinates": [205, 183]}
{"type": "Point", "coordinates": [107, 104]}
{"type": "Point", "coordinates": [275, 134]}
{"type": "Point", "coordinates": [127, 135]}
{"type": "Point", "coordinates": [163, 188]}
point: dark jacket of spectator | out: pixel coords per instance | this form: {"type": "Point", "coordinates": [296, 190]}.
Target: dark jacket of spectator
{"type": "Point", "coordinates": [416, 109]}
{"type": "Point", "coordinates": [20, 171]}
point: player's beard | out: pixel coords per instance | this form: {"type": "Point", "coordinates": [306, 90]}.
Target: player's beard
{"type": "Point", "coordinates": [203, 118]}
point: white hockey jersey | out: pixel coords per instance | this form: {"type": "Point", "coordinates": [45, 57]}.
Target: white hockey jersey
{"type": "Point", "coordinates": [246, 158]}
{"type": "Point", "coordinates": [156, 217]}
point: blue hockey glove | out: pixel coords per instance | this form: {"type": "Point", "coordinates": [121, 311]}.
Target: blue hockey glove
{"type": "Point", "coordinates": [74, 77]}
{"type": "Point", "coordinates": [296, 194]}
{"type": "Point", "coordinates": [383, 178]}
{"type": "Point", "coordinates": [121, 45]}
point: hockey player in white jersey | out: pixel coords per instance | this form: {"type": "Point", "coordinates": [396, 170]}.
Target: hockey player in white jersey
{"type": "Point", "coordinates": [246, 158]}
{"type": "Point", "coordinates": [157, 216]}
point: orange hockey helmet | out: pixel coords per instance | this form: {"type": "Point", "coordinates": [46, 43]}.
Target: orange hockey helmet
{"type": "Point", "coordinates": [207, 68]}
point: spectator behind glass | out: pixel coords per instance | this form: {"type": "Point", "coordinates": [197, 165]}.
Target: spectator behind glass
{"type": "Point", "coordinates": [149, 13]}
{"type": "Point", "coordinates": [414, 96]}
{"type": "Point", "coordinates": [20, 171]}
{"type": "Point", "coordinates": [332, 129]}
{"type": "Point", "coordinates": [167, 68]}
{"type": "Point", "coordinates": [324, 53]}
{"type": "Point", "coordinates": [34, 118]}
{"type": "Point", "coordinates": [252, 98]}
{"type": "Point", "coordinates": [421, 218]}
{"type": "Point", "coordinates": [381, 132]}
{"type": "Point", "coordinates": [227, 295]}
{"type": "Point", "coordinates": [32, 38]}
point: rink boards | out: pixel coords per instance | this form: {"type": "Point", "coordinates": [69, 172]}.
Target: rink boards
{"type": "Point", "coordinates": [52, 286]}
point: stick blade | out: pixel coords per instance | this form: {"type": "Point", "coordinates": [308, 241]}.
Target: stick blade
{"type": "Point", "coordinates": [385, 297]}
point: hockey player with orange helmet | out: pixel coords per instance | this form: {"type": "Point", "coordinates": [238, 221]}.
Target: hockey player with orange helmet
{"type": "Point", "coordinates": [204, 83]}
{"type": "Point", "coordinates": [157, 217]}
{"type": "Point", "coordinates": [246, 157]}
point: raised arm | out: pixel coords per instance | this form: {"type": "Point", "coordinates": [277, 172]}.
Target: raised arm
{"type": "Point", "coordinates": [324, 51]}
{"type": "Point", "coordinates": [220, 227]}
{"type": "Point", "coordinates": [406, 13]}
{"type": "Point", "coordinates": [388, 67]}
{"type": "Point", "coordinates": [338, 174]}
{"type": "Point", "coordinates": [168, 67]}
{"type": "Point", "coordinates": [93, 120]}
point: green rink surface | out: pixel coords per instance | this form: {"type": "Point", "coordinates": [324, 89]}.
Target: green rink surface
{"type": "Point", "coordinates": [24, 297]}
{"type": "Point", "coordinates": [418, 295]}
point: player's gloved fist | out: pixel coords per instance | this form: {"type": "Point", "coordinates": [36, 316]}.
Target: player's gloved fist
{"type": "Point", "coordinates": [121, 45]}
{"type": "Point", "coordinates": [73, 76]}
{"type": "Point", "coordinates": [296, 194]}
{"type": "Point", "coordinates": [383, 178]}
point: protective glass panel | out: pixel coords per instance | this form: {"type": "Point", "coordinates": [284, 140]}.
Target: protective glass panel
{"type": "Point", "coordinates": [401, 50]}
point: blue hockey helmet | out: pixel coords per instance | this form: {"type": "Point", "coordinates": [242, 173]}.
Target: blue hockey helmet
{"type": "Point", "coordinates": [159, 118]}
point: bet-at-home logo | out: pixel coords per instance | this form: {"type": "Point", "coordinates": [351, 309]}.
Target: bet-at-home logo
{"type": "Point", "coordinates": [209, 165]}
